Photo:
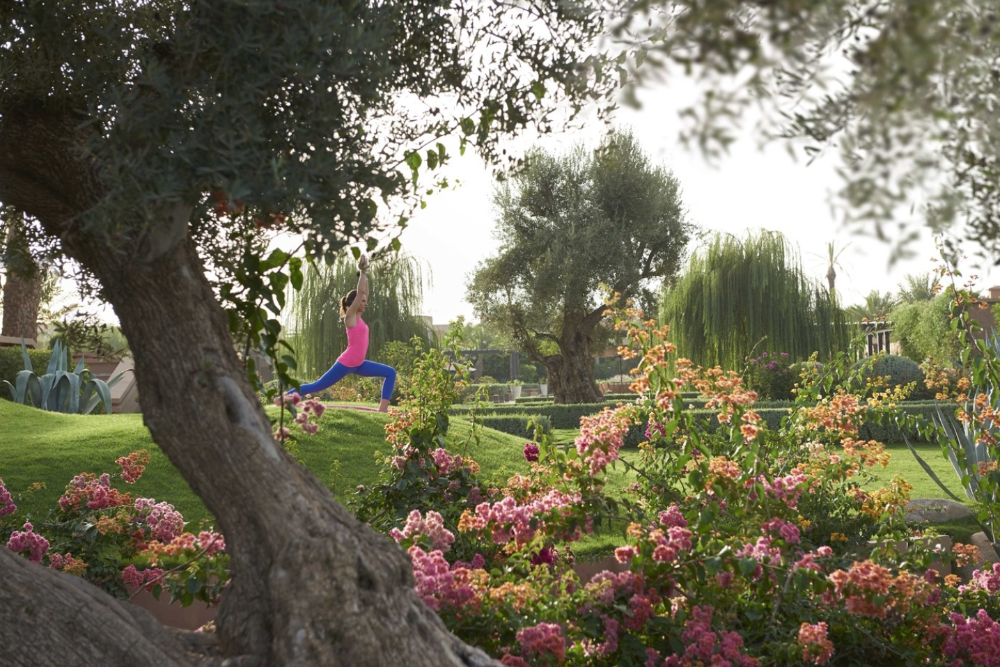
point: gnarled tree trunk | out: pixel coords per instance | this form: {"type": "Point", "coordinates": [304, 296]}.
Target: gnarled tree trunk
{"type": "Point", "coordinates": [571, 372]}
{"type": "Point", "coordinates": [310, 585]}
{"type": "Point", "coordinates": [22, 292]}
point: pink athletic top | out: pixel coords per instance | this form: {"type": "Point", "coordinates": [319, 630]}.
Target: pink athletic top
{"type": "Point", "coordinates": [357, 345]}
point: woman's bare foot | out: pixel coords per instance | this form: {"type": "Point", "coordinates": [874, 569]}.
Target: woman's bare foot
{"type": "Point", "coordinates": [384, 406]}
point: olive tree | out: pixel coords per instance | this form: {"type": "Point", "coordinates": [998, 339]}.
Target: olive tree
{"type": "Point", "coordinates": [137, 133]}
{"type": "Point", "coordinates": [566, 225]}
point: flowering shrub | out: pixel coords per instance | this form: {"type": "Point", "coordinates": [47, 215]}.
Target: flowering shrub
{"type": "Point", "coordinates": [421, 472]}
{"type": "Point", "coordinates": [119, 543]}
{"type": "Point", "coordinates": [744, 545]}
{"type": "Point", "coordinates": [770, 375]}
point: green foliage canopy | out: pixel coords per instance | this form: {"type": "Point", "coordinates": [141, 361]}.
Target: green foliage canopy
{"type": "Point", "coordinates": [318, 112]}
{"type": "Point", "coordinates": [923, 329]}
{"type": "Point", "coordinates": [568, 223]}
{"type": "Point", "coordinates": [905, 91]}
{"type": "Point", "coordinates": [734, 294]}
{"type": "Point", "coordinates": [876, 307]}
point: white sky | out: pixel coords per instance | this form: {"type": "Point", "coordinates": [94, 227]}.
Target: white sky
{"type": "Point", "coordinates": [749, 189]}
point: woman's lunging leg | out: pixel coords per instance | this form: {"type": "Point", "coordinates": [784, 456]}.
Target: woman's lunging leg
{"type": "Point", "coordinates": [387, 373]}
{"type": "Point", "coordinates": [336, 373]}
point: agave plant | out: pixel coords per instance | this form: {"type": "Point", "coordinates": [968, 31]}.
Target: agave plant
{"type": "Point", "coordinates": [59, 389]}
{"type": "Point", "coordinates": [972, 443]}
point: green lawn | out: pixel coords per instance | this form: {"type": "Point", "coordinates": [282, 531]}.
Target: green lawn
{"type": "Point", "coordinates": [46, 447]}
{"type": "Point", "coordinates": [901, 463]}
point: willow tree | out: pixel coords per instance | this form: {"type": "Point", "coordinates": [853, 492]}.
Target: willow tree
{"type": "Point", "coordinates": [133, 132]}
{"type": "Point", "coordinates": [737, 296]}
{"type": "Point", "coordinates": [566, 224]}
{"type": "Point", "coordinates": [396, 286]}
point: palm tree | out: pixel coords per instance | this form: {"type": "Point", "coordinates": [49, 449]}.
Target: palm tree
{"type": "Point", "coordinates": [876, 307]}
{"type": "Point", "coordinates": [396, 297]}
{"type": "Point", "coordinates": [917, 287]}
{"type": "Point", "coordinates": [833, 257]}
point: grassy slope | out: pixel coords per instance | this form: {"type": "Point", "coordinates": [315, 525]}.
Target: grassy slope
{"type": "Point", "coordinates": [38, 446]}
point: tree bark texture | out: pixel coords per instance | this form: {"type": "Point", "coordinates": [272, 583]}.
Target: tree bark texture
{"type": "Point", "coordinates": [571, 372]}
{"type": "Point", "coordinates": [22, 292]}
{"type": "Point", "coordinates": [51, 618]}
{"type": "Point", "coordinates": [310, 585]}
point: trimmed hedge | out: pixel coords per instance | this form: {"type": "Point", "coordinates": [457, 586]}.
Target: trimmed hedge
{"type": "Point", "coordinates": [564, 416]}
{"type": "Point", "coordinates": [12, 363]}
{"type": "Point", "coordinates": [619, 397]}
{"type": "Point", "coordinates": [567, 415]}
{"type": "Point", "coordinates": [516, 424]}
{"type": "Point", "coordinates": [561, 416]}
{"type": "Point", "coordinates": [533, 399]}
{"type": "Point", "coordinates": [470, 391]}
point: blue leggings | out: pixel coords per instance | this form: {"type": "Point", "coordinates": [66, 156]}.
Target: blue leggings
{"type": "Point", "coordinates": [369, 369]}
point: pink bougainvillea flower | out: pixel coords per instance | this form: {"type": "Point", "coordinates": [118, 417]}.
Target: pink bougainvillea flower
{"type": "Point", "coordinates": [7, 505]}
{"type": "Point", "coordinates": [29, 541]}
{"type": "Point", "coordinates": [816, 646]}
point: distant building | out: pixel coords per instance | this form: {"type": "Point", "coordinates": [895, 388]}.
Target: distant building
{"type": "Point", "coordinates": [437, 331]}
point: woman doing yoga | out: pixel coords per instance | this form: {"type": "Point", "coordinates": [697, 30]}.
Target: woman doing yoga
{"type": "Point", "coordinates": [352, 361]}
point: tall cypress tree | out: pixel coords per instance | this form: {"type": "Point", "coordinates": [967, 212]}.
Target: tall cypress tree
{"type": "Point", "coordinates": [737, 293]}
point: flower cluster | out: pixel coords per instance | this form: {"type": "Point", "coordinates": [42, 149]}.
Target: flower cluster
{"type": "Point", "coordinates": [30, 542]}
{"type": "Point", "coordinates": [507, 521]}
{"type": "Point", "coordinates": [973, 641]}
{"type": "Point", "coordinates": [786, 489]}
{"type": "Point", "coordinates": [838, 414]}
{"type": "Point", "coordinates": [868, 453]}
{"type": "Point", "coordinates": [663, 543]}
{"type": "Point", "coordinates": [887, 500]}
{"type": "Point", "coordinates": [148, 577]}
{"type": "Point", "coordinates": [816, 646]}
{"type": "Point", "coordinates": [531, 452]}
{"type": "Point", "coordinates": [67, 564]}
{"type": "Point", "coordinates": [602, 436]}
{"type": "Point", "coordinates": [430, 528]}
{"type": "Point", "coordinates": [207, 543]}
{"type": "Point", "coordinates": [705, 646]}
{"type": "Point", "coordinates": [986, 579]}
{"type": "Point", "coordinates": [723, 389]}
{"type": "Point", "coordinates": [164, 522]}
{"type": "Point", "coordinates": [439, 584]}
{"type": "Point", "coordinates": [947, 383]}
{"type": "Point", "coordinates": [309, 408]}
{"type": "Point", "coordinates": [133, 465]}
{"type": "Point", "coordinates": [7, 505]}
{"type": "Point", "coordinates": [869, 589]}
{"type": "Point", "coordinates": [94, 492]}
{"type": "Point", "coordinates": [542, 640]}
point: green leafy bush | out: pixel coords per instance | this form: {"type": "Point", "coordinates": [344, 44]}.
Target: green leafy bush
{"type": "Point", "coordinates": [897, 371]}
{"type": "Point", "coordinates": [770, 375]}
{"type": "Point", "coordinates": [516, 424]}
{"type": "Point", "coordinates": [12, 363]}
